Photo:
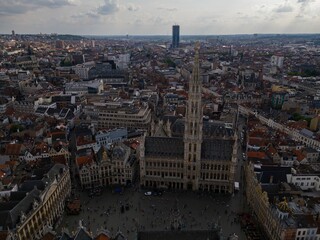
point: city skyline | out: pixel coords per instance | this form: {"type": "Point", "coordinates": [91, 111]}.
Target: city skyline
{"type": "Point", "coordinates": [141, 17]}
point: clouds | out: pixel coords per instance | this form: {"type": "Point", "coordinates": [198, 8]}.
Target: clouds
{"type": "Point", "coordinates": [157, 17]}
{"type": "Point", "coordinates": [305, 1]}
{"type": "Point", "coordinates": [109, 7]}
{"type": "Point", "coordinates": [304, 4]}
{"type": "Point", "coordinates": [12, 7]}
{"type": "Point", "coordinates": [132, 8]}
{"type": "Point", "coordinates": [167, 9]}
{"type": "Point", "coordinates": [283, 9]}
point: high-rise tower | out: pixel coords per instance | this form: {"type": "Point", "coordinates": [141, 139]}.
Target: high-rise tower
{"type": "Point", "coordinates": [175, 36]}
{"type": "Point", "coordinates": [193, 128]}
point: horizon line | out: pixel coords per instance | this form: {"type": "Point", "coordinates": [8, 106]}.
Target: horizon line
{"type": "Point", "coordinates": [227, 34]}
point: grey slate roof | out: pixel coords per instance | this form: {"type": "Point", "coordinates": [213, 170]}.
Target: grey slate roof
{"type": "Point", "coordinates": [216, 129]}
{"type": "Point", "coordinates": [310, 150]}
{"type": "Point", "coordinates": [116, 133]}
{"type": "Point", "coordinates": [211, 149]}
{"type": "Point", "coordinates": [22, 201]}
{"type": "Point", "coordinates": [172, 119]}
{"type": "Point", "coordinates": [119, 236]}
{"type": "Point", "coordinates": [65, 236]}
{"type": "Point", "coordinates": [306, 133]}
{"type": "Point", "coordinates": [216, 149]}
{"type": "Point", "coordinates": [278, 174]}
{"type": "Point", "coordinates": [10, 213]}
{"type": "Point", "coordinates": [209, 130]}
{"type": "Point", "coordinates": [57, 169]}
{"type": "Point", "coordinates": [28, 185]}
{"type": "Point", "coordinates": [164, 147]}
{"type": "Point", "coordinates": [82, 235]}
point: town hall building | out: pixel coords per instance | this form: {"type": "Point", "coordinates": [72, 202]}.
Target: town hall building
{"type": "Point", "coordinates": [197, 155]}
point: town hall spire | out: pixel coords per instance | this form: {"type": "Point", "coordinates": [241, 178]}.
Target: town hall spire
{"type": "Point", "coordinates": [193, 127]}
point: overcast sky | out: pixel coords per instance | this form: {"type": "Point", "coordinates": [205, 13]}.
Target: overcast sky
{"type": "Point", "coordinates": [119, 17]}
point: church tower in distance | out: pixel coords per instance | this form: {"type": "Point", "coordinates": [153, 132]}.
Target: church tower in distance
{"type": "Point", "coordinates": [193, 128]}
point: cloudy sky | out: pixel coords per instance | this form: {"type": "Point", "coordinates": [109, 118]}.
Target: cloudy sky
{"type": "Point", "coordinates": [119, 17]}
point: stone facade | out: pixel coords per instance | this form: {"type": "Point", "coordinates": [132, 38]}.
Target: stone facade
{"type": "Point", "coordinates": [47, 206]}
{"type": "Point", "coordinates": [117, 168]}
{"type": "Point", "coordinates": [258, 202]}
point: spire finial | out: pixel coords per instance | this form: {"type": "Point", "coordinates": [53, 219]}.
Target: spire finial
{"type": "Point", "coordinates": [197, 46]}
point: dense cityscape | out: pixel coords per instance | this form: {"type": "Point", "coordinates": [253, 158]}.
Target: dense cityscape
{"type": "Point", "coordinates": [160, 137]}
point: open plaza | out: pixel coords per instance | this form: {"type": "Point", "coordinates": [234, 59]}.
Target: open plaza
{"type": "Point", "coordinates": [131, 211]}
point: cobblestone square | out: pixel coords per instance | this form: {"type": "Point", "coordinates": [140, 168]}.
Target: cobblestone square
{"type": "Point", "coordinates": [197, 210]}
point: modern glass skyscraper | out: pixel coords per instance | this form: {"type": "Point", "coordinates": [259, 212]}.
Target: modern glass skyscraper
{"type": "Point", "coordinates": [175, 36]}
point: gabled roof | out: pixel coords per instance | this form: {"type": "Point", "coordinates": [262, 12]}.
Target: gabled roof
{"type": "Point", "coordinates": [119, 236]}
{"type": "Point", "coordinates": [102, 236]}
{"type": "Point", "coordinates": [300, 155]}
{"type": "Point", "coordinates": [82, 235]}
{"type": "Point", "coordinates": [271, 150]}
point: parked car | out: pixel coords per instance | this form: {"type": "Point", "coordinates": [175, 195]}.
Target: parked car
{"type": "Point", "coordinates": [148, 193]}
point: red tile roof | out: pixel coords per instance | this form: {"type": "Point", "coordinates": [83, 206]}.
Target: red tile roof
{"type": "Point", "coordinates": [84, 160]}
{"type": "Point", "coordinates": [298, 125]}
{"type": "Point", "coordinates": [59, 159]}
{"type": "Point", "coordinates": [272, 151]}
{"type": "Point", "coordinates": [258, 155]}
{"type": "Point", "coordinates": [102, 236]}
{"type": "Point", "coordinates": [83, 141]}
{"type": "Point", "coordinates": [13, 149]}
{"type": "Point", "coordinates": [259, 142]}
{"type": "Point", "coordinates": [299, 154]}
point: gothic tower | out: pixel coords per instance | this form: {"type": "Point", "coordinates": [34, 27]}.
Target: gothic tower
{"type": "Point", "coordinates": [193, 128]}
